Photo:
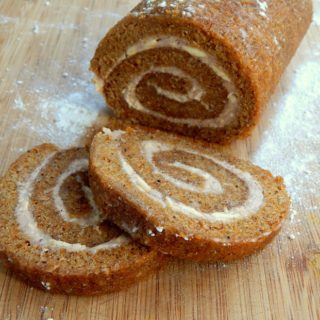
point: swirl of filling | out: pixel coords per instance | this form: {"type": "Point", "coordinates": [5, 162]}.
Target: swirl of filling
{"type": "Point", "coordinates": [210, 185]}
{"type": "Point", "coordinates": [28, 224]}
{"type": "Point", "coordinates": [94, 218]}
{"type": "Point", "coordinates": [195, 93]}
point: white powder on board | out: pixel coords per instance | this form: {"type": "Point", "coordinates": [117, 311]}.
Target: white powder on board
{"type": "Point", "coordinates": [36, 28]}
{"type": "Point", "coordinates": [263, 7]}
{"type": "Point", "coordinates": [18, 103]}
{"type": "Point", "coordinates": [7, 20]}
{"type": "Point", "coordinates": [57, 110]}
{"type": "Point", "coordinates": [63, 118]}
{"type": "Point", "coordinates": [71, 115]}
{"type": "Point", "coordinates": [289, 147]}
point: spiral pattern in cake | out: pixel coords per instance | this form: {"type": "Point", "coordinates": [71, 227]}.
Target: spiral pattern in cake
{"type": "Point", "coordinates": [184, 197]}
{"type": "Point", "coordinates": [52, 233]}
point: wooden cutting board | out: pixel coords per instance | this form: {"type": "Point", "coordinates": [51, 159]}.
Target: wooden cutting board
{"type": "Point", "coordinates": [46, 96]}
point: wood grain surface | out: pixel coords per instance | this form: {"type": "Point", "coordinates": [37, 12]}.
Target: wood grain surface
{"type": "Point", "coordinates": [46, 95]}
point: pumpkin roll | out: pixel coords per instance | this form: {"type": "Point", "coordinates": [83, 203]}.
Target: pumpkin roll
{"type": "Point", "coordinates": [185, 197]}
{"type": "Point", "coordinates": [51, 231]}
{"type": "Point", "coordinates": [199, 68]}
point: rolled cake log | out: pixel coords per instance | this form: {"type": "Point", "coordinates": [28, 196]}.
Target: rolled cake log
{"type": "Point", "coordinates": [51, 231]}
{"type": "Point", "coordinates": [185, 197]}
{"type": "Point", "coordinates": [200, 68]}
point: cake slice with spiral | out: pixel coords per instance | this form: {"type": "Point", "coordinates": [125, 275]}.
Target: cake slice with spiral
{"type": "Point", "coordinates": [51, 231]}
{"type": "Point", "coordinates": [185, 197]}
{"type": "Point", "coordinates": [200, 68]}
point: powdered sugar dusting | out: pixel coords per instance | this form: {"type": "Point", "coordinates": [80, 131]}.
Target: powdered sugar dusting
{"type": "Point", "coordinates": [62, 117]}
{"type": "Point", "coordinates": [7, 20]}
{"type": "Point", "coordinates": [263, 7]}
{"type": "Point", "coordinates": [71, 115]}
{"type": "Point", "coordinates": [316, 15]}
{"type": "Point", "coordinates": [289, 146]}
{"type": "Point", "coordinates": [55, 101]}
{"type": "Point", "coordinates": [290, 143]}
{"type": "Point", "coordinates": [189, 7]}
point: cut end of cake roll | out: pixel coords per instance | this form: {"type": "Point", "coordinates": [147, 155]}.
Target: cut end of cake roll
{"type": "Point", "coordinates": [201, 68]}
{"type": "Point", "coordinates": [52, 234]}
{"type": "Point", "coordinates": [185, 197]}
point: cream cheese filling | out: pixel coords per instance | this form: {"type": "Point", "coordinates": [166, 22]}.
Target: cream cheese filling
{"type": "Point", "coordinates": [28, 225]}
{"type": "Point", "coordinates": [149, 148]}
{"type": "Point", "coordinates": [231, 109]}
{"type": "Point", "coordinates": [95, 217]}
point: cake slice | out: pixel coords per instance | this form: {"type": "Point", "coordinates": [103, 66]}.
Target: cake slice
{"type": "Point", "coordinates": [52, 234]}
{"type": "Point", "coordinates": [184, 197]}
